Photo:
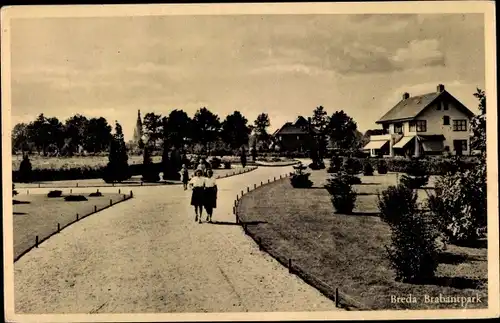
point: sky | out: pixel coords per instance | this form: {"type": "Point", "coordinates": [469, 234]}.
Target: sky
{"type": "Point", "coordinates": [283, 65]}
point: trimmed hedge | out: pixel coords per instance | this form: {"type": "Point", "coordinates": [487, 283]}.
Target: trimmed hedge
{"type": "Point", "coordinates": [432, 166]}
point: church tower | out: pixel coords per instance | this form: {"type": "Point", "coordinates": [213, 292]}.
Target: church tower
{"type": "Point", "coordinates": [138, 128]}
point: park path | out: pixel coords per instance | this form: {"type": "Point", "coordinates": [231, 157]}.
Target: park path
{"type": "Point", "coordinates": [148, 255]}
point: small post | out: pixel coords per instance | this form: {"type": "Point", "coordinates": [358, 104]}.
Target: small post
{"type": "Point", "coordinates": [260, 183]}
{"type": "Point", "coordinates": [280, 176]}
{"type": "Point", "coordinates": [110, 202]}
{"type": "Point", "coordinates": [241, 193]}
{"type": "Point", "coordinates": [289, 265]}
{"type": "Point", "coordinates": [237, 197]}
{"type": "Point", "coordinates": [28, 192]}
{"type": "Point", "coordinates": [131, 194]}
{"type": "Point", "coordinates": [70, 191]}
{"type": "Point", "coordinates": [234, 209]}
{"type": "Point", "coordinates": [77, 216]}
{"type": "Point", "coordinates": [275, 178]}
{"type": "Point", "coordinates": [58, 228]}
{"type": "Point", "coordinates": [254, 186]}
{"type": "Point", "coordinates": [95, 208]}
{"type": "Point", "coordinates": [268, 181]}
{"type": "Point", "coordinates": [337, 302]}
{"type": "Point", "coordinates": [36, 241]}
{"type": "Point", "coordinates": [119, 191]}
{"type": "Point", "coordinates": [248, 189]}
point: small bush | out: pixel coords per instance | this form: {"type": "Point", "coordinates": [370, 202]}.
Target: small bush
{"type": "Point", "coordinates": [459, 208]}
{"type": "Point", "coordinates": [367, 169]}
{"type": "Point", "coordinates": [95, 194]}
{"type": "Point", "coordinates": [343, 196]}
{"type": "Point", "coordinates": [215, 163]}
{"type": "Point", "coordinates": [396, 202]}
{"type": "Point", "coordinates": [335, 165]}
{"type": "Point", "coordinates": [352, 166]}
{"type": "Point", "coordinates": [301, 181]}
{"type": "Point", "coordinates": [317, 165]}
{"type": "Point", "coordinates": [416, 175]}
{"type": "Point", "coordinates": [25, 170]}
{"type": "Point", "coordinates": [227, 165]}
{"type": "Point", "coordinates": [55, 193]}
{"type": "Point", "coordinates": [382, 167]}
{"type": "Point", "coordinates": [149, 171]}
{"type": "Point", "coordinates": [75, 198]}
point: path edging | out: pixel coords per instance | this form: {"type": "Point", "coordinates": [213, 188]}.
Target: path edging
{"type": "Point", "coordinates": [77, 219]}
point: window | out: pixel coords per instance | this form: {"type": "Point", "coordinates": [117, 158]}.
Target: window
{"type": "Point", "coordinates": [398, 128]}
{"type": "Point", "coordinates": [439, 106]}
{"type": "Point", "coordinates": [446, 120]}
{"type": "Point", "coordinates": [459, 125]}
{"type": "Point", "coordinates": [445, 105]}
{"type": "Point", "coordinates": [418, 126]}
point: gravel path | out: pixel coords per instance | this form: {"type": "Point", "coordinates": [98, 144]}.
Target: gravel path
{"type": "Point", "coordinates": [148, 255]}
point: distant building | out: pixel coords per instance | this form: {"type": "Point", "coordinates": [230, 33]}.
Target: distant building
{"type": "Point", "coordinates": [293, 136]}
{"type": "Point", "coordinates": [138, 133]}
{"type": "Point", "coordinates": [427, 124]}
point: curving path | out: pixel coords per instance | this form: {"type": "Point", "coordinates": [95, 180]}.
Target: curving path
{"type": "Point", "coordinates": [148, 255]}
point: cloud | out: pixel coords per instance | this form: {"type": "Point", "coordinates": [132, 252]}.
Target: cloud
{"type": "Point", "coordinates": [419, 53]}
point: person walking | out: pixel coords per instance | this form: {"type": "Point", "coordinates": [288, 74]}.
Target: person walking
{"type": "Point", "coordinates": [185, 176]}
{"type": "Point", "coordinates": [197, 183]}
{"type": "Point", "coordinates": [210, 196]}
{"type": "Point", "coordinates": [202, 167]}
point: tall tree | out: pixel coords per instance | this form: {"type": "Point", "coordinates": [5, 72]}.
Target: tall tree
{"type": "Point", "coordinates": [44, 132]}
{"type": "Point", "coordinates": [319, 123]}
{"type": "Point", "coordinates": [261, 124]}
{"type": "Point", "coordinates": [153, 127]}
{"type": "Point", "coordinates": [177, 128]}
{"type": "Point", "coordinates": [206, 127]}
{"type": "Point", "coordinates": [235, 130]}
{"type": "Point", "coordinates": [478, 123]}
{"type": "Point", "coordinates": [342, 131]}
{"type": "Point", "coordinates": [20, 137]}
{"type": "Point", "coordinates": [97, 135]}
{"type": "Point", "coordinates": [75, 130]}
{"type": "Point", "coordinates": [117, 168]}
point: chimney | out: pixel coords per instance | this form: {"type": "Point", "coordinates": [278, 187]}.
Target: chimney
{"type": "Point", "coordinates": [406, 95]}
{"type": "Point", "coordinates": [440, 88]}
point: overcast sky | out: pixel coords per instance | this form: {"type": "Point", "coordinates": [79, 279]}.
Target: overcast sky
{"type": "Point", "coordinates": [284, 65]}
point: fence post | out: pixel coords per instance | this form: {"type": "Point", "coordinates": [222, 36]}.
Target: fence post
{"type": "Point", "coordinates": [70, 191]}
{"type": "Point", "coordinates": [289, 265]}
{"type": "Point", "coordinates": [36, 241]}
{"type": "Point", "coordinates": [237, 197]}
{"type": "Point", "coordinates": [337, 303]}
{"type": "Point", "coordinates": [275, 178]}
{"type": "Point", "coordinates": [261, 183]}
{"type": "Point", "coordinates": [254, 186]}
{"type": "Point", "coordinates": [110, 202]}
{"type": "Point", "coordinates": [248, 189]}
{"type": "Point", "coordinates": [95, 208]}
{"type": "Point", "coordinates": [268, 181]}
{"type": "Point", "coordinates": [241, 193]}
{"type": "Point", "coordinates": [119, 191]}
{"type": "Point", "coordinates": [131, 194]}
{"type": "Point", "coordinates": [77, 216]}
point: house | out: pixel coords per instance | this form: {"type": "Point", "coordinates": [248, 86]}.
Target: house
{"type": "Point", "coordinates": [428, 124]}
{"type": "Point", "coordinates": [293, 136]}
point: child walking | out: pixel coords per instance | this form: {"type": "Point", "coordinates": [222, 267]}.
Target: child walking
{"type": "Point", "coordinates": [197, 183]}
{"type": "Point", "coordinates": [210, 196]}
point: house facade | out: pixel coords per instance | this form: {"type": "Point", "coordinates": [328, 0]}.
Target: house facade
{"type": "Point", "coordinates": [293, 136]}
{"type": "Point", "coordinates": [428, 124]}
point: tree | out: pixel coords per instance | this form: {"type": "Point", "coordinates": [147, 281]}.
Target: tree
{"type": "Point", "coordinates": [243, 157]}
{"type": "Point", "coordinates": [117, 168]}
{"type": "Point", "coordinates": [261, 124]}
{"type": "Point", "coordinates": [478, 123]}
{"type": "Point", "coordinates": [44, 132]}
{"type": "Point", "coordinates": [206, 126]}
{"type": "Point", "coordinates": [342, 131]}
{"type": "Point", "coordinates": [153, 127]}
{"type": "Point", "coordinates": [149, 172]}
{"type": "Point", "coordinates": [319, 123]}
{"type": "Point", "coordinates": [75, 129]}
{"type": "Point", "coordinates": [235, 131]}
{"type": "Point", "coordinates": [177, 128]}
{"type": "Point", "coordinates": [20, 137]}
{"type": "Point", "coordinates": [97, 135]}
{"type": "Point", "coordinates": [25, 170]}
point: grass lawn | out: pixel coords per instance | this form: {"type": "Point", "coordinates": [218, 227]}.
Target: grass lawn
{"type": "Point", "coordinates": [348, 251]}
{"type": "Point", "coordinates": [40, 215]}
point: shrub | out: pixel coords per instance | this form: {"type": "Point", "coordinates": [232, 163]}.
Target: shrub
{"type": "Point", "coordinates": [352, 166]}
{"type": "Point", "coordinates": [227, 164]}
{"type": "Point", "coordinates": [382, 167]}
{"type": "Point", "coordinates": [367, 168]}
{"type": "Point", "coordinates": [25, 170]}
{"type": "Point", "coordinates": [343, 196]}
{"type": "Point", "coordinates": [301, 181]}
{"type": "Point", "coordinates": [243, 157]}
{"type": "Point", "coordinates": [396, 202]}
{"type": "Point", "coordinates": [335, 164]}
{"type": "Point", "coordinates": [117, 169]}
{"type": "Point", "coordinates": [169, 166]}
{"type": "Point", "coordinates": [416, 176]}
{"type": "Point", "coordinates": [55, 193]}
{"type": "Point", "coordinates": [459, 206]}
{"type": "Point", "coordinates": [149, 172]}
{"type": "Point", "coordinates": [317, 165]}
{"type": "Point", "coordinates": [94, 194]}
{"type": "Point", "coordinates": [75, 198]}
{"type": "Point", "coordinates": [215, 163]}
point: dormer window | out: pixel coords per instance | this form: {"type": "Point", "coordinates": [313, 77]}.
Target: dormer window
{"type": "Point", "coordinates": [445, 106]}
{"type": "Point", "coordinates": [398, 128]}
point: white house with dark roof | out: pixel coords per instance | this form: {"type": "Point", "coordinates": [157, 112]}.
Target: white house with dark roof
{"type": "Point", "coordinates": [293, 136]}
{"type": "Point", "coordinates": [427, 124]}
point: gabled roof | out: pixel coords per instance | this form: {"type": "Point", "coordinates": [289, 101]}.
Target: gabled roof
{"type": "Point", "coordinates": [413, 106]}
{"type": "Point", "coordinates": [290, 129]}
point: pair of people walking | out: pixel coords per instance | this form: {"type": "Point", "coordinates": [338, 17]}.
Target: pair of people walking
{"type": "Point", "coordinates": [204, 194]}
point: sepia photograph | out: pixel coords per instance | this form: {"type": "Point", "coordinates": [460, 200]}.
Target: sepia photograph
{"type": "Point", "coordinates": [233, 162]}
